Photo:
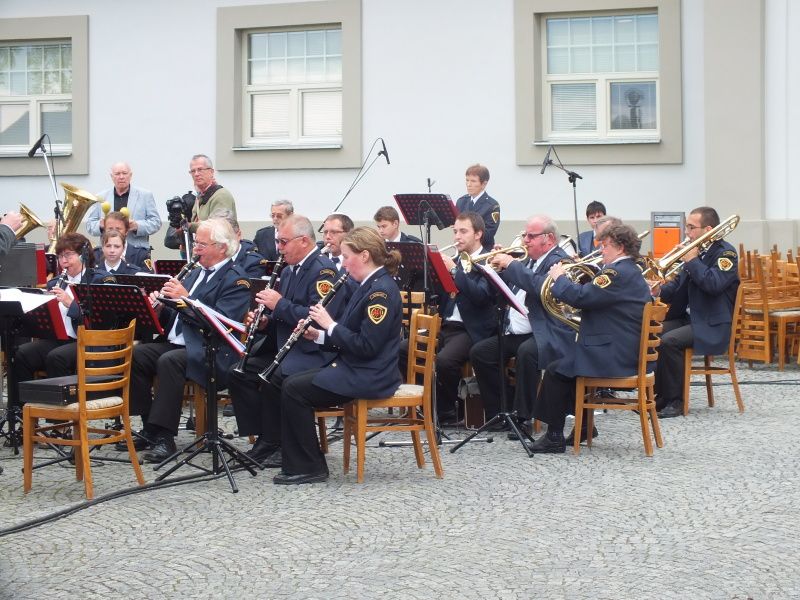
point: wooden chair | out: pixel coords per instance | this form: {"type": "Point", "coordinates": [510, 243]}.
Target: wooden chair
{"type": "Point", "coordinates": [415, 399]}
{"type": "Point", "coordinates": [707, 369]}
{"type": "Point", "coordinates": [652, 318]}
{"type": "Point", "coordinates": [78, 414]}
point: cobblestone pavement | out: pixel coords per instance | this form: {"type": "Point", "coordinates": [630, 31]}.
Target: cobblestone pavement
{"type": "Point", "coordinates": [714, 514]}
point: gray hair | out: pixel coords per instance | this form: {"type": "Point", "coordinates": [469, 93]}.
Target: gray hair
{"type": "Point", "coordinates": [606, 220]}
{"type": "Point", "coordinates": [300, 225]}
{"type": "Point", "coordinates": [286, 203]}
{"type": "Point", "coordinates": [205, 158]}
{"type": "Point", "coordinates": [221, 232]}
{"type": "Point", "coordinates": [548, 225]}
{"type": "Point", "coordinates": [227, 215]}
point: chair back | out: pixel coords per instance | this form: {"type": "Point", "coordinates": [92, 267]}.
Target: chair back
{"type": "Point", "coordinates": [105, 352]}
{"type": "Point", "coordinates": [414, 300]}
{"type": "Point", "coordinates": [650, 338]}
{"type": "Point", "coordinates": [423, 336]}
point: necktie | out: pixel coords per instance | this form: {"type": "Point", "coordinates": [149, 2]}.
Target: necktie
{"type": "Point", "coordinates": [335, 260]}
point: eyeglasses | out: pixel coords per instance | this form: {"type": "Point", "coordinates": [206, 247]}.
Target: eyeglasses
{"type": "Point", "coordinates": [202, 245]}
{"type": "Point", "coordinates": [198, 170]}
{"type": "Point", "coordinates": [332, 231]}
{"type": "Point", "coordinates": [67, 255]}
{"type": "Point", "coordinates": [284, 241]}
{"type": "Point", "coordinates": [691, 227]}
{"type": "Point", "coordinates": [533, 236]}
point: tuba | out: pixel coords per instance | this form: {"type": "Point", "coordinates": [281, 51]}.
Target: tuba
{"type": "Point", "coordinates": [29, 222]}
{"type": "Point", "coordinates": [76, 203]}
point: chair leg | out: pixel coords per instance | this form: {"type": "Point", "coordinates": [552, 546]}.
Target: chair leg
{"type": "Point", "coordinates": [648, 443]}
{"type": "Point", "coordinates": [199, 410]}
{"type": "Point", "coordinates": [651, 411]}
{"type": "Point", "coordinates": [687, 378]}
{"type": "Point", "coordinates": [537, 424]}
{"type": "Point", "coordinates": [347, 432]}
{"type": "Point", "coordinates": [709, 384]}
{"type": "Point", "coordinates": [82, 427]}
{"type": "Point", "coordinates": [735, 383]}
{"type": "Point", "coordinates": [323, 434]}
{"type": "Point", "coordinates": [781, 344]}
{"type": "Point", "coordinates": [78, 450]}
{"type": "Point", "coordinates": [580, 390]}
{"type": "Point", "coordinates": [28, 425]}
{"type": "Point", "coordinates": [418, 453]}
{"type": "Point", "coordinates": [430, 435]}
{"type": "Point", "coordinates": [137, 469]}
{"type": "Point", "coordinates": [361, 438]}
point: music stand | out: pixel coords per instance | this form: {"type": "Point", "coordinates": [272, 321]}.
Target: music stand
{"type": "Point", "coordinates": [169, 266]}
{"type": "Point", "coordinates": [115, 305]}
{"type": "Point", "coordinates": [505, 298]}
{"type": "Point", "coordinates": [148, 282]}
{"type": "Point", "coordinates": [20, 266]}
{"type": "Point", "coordinates": [214, 333]}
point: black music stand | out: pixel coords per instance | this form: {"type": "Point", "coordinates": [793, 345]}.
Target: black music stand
{"type": "Point", "coordinates": [214, 333]}
{"type": "Point", "coordinates": [505, 298]}
{"type": "Point", "coordinates": [169, 266]}
{"type": "Point", "coordinates": [113, 307]}
{"type": "Point", "coordinates": [148, 282]}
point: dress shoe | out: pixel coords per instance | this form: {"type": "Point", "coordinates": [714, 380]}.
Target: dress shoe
{"type": "Point", "coordinates": [163, 448]}
{"type": "Point", "coordinates": [274, 460]}
{"type": "Point", "coordinates": [607, 393]}
{"type": "Point", "coordinates": [140, 442]}
{"type": "Point", "coordinates": [571, 437]}
{"type": "Point", "coordinates": [673, 409]}
{"type": "Point", "coordinates": [283, 478]}
{"type": "Point", "coordinates": [524, 427]}
{"type": "Point", "coordinates": [227, 411]}
{"type": "Point", "coordinates": [262, 450]}
{"type": "Point", "coordinates": [544, 445]}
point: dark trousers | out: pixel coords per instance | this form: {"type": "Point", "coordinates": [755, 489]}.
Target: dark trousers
{"type": "Point", "coordinates": [453, 353]}
{"type": "Point", "coordinates": [676, 337]}
{"type": "Point", "coordinates": [167, 362]}
{"type": "Point", "coordinates": [300, 446]}
{"type": "Point", "coordinates": [257, 404]}
{"type": "Point", "coordinates": [485, 359]}
{"type": "Point", "coordinates": [57, 357]}
{"type": "Point", "coordinates": [556, 401]}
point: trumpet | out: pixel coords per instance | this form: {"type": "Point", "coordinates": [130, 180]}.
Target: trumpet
{"type": "Point", "coordinates": [251, 332]}
{"type": "Point", "coordinates": [519, 252]}
{"type": "Point", "coordinates": [270, 369]}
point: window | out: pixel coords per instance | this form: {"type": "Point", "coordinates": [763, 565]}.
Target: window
{"type": "Point", "coordinates": [289, 85]}
{"type": "Point", "coordinates": [601, 77]}
{"type": "Point", "coordinates": [294, 88]}
{"type": "Point", "coordinates": [35, 96]}
{"type": "Point", "coordinates": [44, 88]}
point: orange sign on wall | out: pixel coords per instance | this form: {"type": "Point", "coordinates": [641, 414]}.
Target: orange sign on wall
{"type": "Point", "coordinates": [667, 231]}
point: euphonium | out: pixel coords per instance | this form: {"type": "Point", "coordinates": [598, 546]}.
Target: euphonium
{"type": "Point", "coordinates": [29, 222]}
{"type": "Point", "coordinates": [76, 203]}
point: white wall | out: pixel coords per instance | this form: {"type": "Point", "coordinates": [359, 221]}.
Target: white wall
{"type": "Point", "coordinates": [438, 86]}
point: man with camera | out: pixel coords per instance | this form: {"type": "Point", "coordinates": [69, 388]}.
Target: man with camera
{"type": "Point", "coordinates": [143, 217]}
{"type": "Point", "coordinates": [211, 196]}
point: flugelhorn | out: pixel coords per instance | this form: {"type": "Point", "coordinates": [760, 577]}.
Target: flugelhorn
{"type": "Point", "coordinates": [29, 222]}
{"type": "Point", "coordinates": [519, 252]}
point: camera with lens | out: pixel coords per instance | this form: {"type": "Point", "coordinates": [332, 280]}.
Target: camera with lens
{"type": "Point", "coordinates": [179, 208]}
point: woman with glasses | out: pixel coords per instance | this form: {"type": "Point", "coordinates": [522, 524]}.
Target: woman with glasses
{"type": "Point", "coordinates": [59, 357]}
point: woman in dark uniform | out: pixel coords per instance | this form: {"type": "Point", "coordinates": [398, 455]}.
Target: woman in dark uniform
{"type": "Point", "coordinates": [367, 340]}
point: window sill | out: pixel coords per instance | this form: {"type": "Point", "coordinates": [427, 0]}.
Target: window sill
{"type": "Point", "coordinates": [24, 154]}
{"type": "Point", "coordinates": [309, 146]}
{"type": "Point", "coordinates": [595, 141]}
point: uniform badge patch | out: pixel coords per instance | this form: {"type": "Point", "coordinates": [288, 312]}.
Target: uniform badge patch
{"type": "Point", "coordinates": [323, 287]}
{"type": "Point", "coordinates": [602, 280]}
{"type": "Point", "coordinates": [374, 295]}
{"type": "Point", "coordinates": [377, 312]}
{"type": "Point", "coordinates": [496, 216]}
{"type": "Point", "coordinates": [110, 279]}
{"type": "Point", "coordinates": [148, 264]}
{"type": "Point", "coordinates": [724, 264]}
{"type": "Point", "coordinates": [328, 273]}
{"type": "Point", "coordinates": [243, 282]}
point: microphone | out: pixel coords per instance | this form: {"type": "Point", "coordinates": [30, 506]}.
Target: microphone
{"type": "Point", "coordinates": [431, 215]}
{"type": "Point", "coordinates": [384, 152]}
{"type": "Point", "coordinates": [546, 160]}
{"type": "Point", "coordinates": [36, 146]}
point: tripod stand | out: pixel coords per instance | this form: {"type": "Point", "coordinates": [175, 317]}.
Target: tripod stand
{"type": "Point", "coordinates": [211, 441]}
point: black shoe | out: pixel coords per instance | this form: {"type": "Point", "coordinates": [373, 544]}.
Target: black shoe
{"type": "Point", "coordinates": [338, 425]}
{"type": "Point", "coordinates": [262, 450]}
{"type": "Point", "coordinates": [673, 409]}
{"type": "Point", "coordinates": [283, 478]}
{"type": "Point", "coordinates": [571, 437]}
{"type": "Point", "coordinates": [140, 442]}
{"type": "Point", "coordinates": [163, 448]}
{"type": "Point", "coordinates": [524, 427]}
{"type": "Point", "coordinates": [544, 445]}
{"type": "Point", "coordinates": [607, 393]}
{"type": "Point", "coordinates": [274, 460]}
{"type": "Point", "coordinates": [227, 411]}
{"type": "Point", "coordinates": [190, 424]}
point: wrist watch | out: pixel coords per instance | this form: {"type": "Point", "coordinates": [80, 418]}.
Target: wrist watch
{"type": "Point", "coordinates": [453, 271]}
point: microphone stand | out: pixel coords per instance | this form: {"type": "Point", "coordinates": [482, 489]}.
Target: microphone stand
{"type": "Point", "coordinates": [572, 176]}
{"type": "Point", "coordinates": [59, 214]}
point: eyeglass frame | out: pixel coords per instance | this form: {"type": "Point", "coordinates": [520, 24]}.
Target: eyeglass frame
{"type": "Point", "coordinates": [204, 245]}
{"type": "Point", "coordinates": [284, 241]}
{"type": "Point", "coordinates": [533, 236]}
{"type": "Point", "coordinates": [199, 170]}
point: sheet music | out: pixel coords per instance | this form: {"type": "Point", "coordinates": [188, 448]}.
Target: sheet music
{"type": "Point", "coordinates": [221, 323]}
{"type": "Point", "coordinates": [510, 296]}
{"type": "Point", "coordinates": [28, 300]}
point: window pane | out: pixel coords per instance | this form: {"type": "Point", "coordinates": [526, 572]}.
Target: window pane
{"type": "Point", "coordinates": [258, 45]}
{"type": "Point", "coordinates": [333, 41]}
{"type": "Point", "coordinates": [624, 59]}
{"type": "Point", "coordinates": [647, 59]}
{"type": "Point", "coordinates": [558, 60]}
{"type": "Point", "coordinates": [580, 31]}
{"type": "Point", "coordinates": [19, 58]}
{"type": "Point", "coordinates": [315, 69]}
{"type": "Point", "coordinates": [601, 30]}
{"type": "Point", "coordinates": [296, 43]}
{"type": "Point", "coordinates": [581, 60]}
{"type": "Point", "coordinates": [295, 69]}
{"type": "Point", "coordinates": [647, 29]}
{"type": "Point", "coordinates": [557, 32]}
{"type": "Point", "coordinates": [66, 57]}
{"type": "Point", "coordinates": [270, 116]}
{"type": "Point", "coordinates": [316, 43]}
{"type": "Point", "coordinates": [52, 82]}
{"type": "Point", "coordinates": [14, 125]}
{"type": "Point", "coordinates": [19, 84]}
{"type": "Point", "coordinates": [35, 82]}
{"type": "Point", "coordinates": [52, 57]}
{"type": "Point", "coordinates": [66, 81]}
{"type": "Point", "coordinates": [277, 45]}
{"type": "Point", "coordinates": [573, 107]}
{"type": "Point", "coordinates": [57, 122]}
{"type": "Point", "coordinates": [4, 89]}
{"type": "Point", "coordinates": [258, 72]}
{"type": "Point", "coordinates": [35, 54]}
{"type": "Point", "coordinates": [333, 66]}
{"type": "Point", "coordinates": [5, 59]}
{"type": "Point", "coordinates": [623, 30]}
{"type": "Point", "coordinates": [322, 114]}
{"type": "Point", "coordinates": [276, 70]}
{"type": "Point", "coordinates": [633, 105]}
{"type": "Point", "coordinates": [602, 61]}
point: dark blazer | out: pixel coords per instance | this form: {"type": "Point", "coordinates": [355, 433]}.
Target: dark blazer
{"type": "Point", "coordinates": [611, 317]}
{"type": "Point", "coordinates": [313, 280]}
{"type": "Point", "coordinates": [489, 209]}
{"type": "Point", "coordinates": [74, 311]}
{"type": "Point", "coordinates": [404, 237]}
{"type": "Point", "coordinates": [264, 241]}
{"type": "Point", "coordinates": [554, 339]}
{"type": "Point", "coordinates": [367, 340]}
{"type": "Point", "coordinates": [228, 292]}
{"type": "Point", "coordinates": [250, 260]}
{"type": "Point", "coordinates": [134, 255]}
{"type": "Point", "coordinates": [586, 242]}
{"type": "Point", "coordinates": [707, 286]}
{"type": "Point", "coordinates": [125, 269]}
{"type": "Point", "coordinates": [7, 238]}
{"type": "Point", "coordinates": [476, 304]}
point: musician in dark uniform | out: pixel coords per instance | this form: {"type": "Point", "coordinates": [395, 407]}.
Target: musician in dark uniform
{"type": "Point", "coordinates": [216, 282]}
{"type": "Point", "coordinates": [307, 278]}
{"type": "Point", "coordinates": [366, 339]}
{"type": "Point", "coordinates": [9, 224]}
{"type": "Point", "coordinates": [59, 357]}
{"type": "Point", "coordinates": [466, 319]}
{"type": "Point", "coordinates": [246, 255]}
{"type": "Point", "coordinates": [113, 254]}
{"type": "Point", "coordinates": [334, 228]}
{"type": "Point", "coordinates": [701, 302]}
{"type": "Point", "coordinates": [134, 255]}
{"type": "Point", "coordinates": [477, 200]}
{"type": "Point", "coordinates": [608, 340]}
{"type": "Point", "coordinates": [387, 222]}
{"type": "Point", "coordinates": [264, 238]}
{"type": "Point", "coordinates": [586, 239]}
{"type": "Point", "coordinates": [547, 338]}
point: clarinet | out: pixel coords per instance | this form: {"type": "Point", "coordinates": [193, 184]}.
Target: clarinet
{"type": "Point", "coordinates": [185, 269]}
{"type": "Point", "coordinates": [62, 281]}
{"type": "Point", "coordinates": [267, 373]}
{"type": "Point", "coordinates": [251, 332]}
